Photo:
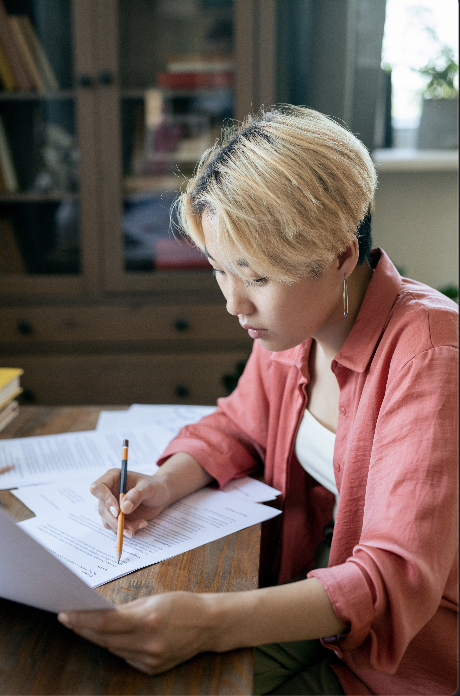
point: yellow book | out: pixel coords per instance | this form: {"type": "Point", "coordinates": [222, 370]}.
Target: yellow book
{"type": "Point", "coordinates": [6, 74]}
{"type": "Point", "coordinates": [26, 53]}
{"type": "Point", "coordinates": [9, 383]}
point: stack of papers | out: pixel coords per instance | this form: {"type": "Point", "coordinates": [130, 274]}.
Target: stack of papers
{"type": "Point", "coordinates": [53, 475]}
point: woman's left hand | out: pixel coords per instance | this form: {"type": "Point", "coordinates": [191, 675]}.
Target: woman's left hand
{"type": "Point", "coordinates": [153, 633]}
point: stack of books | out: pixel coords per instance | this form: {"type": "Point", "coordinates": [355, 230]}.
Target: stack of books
{"type": "Point", "coordinates": [197, 71]}
{"type": "Point", "coordinates": [9, 389]}
{"type": "Point", "coordinates": [24, 65]}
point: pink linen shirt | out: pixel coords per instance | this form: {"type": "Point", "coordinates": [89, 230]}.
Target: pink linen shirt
{"type": "Point", "coordinates": [392, 575]}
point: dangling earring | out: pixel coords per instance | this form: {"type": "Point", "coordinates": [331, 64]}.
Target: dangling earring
{"type": "Point", "coordinates": [345, 297]}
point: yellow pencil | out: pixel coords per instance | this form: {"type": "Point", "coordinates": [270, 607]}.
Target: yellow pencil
{"type": "Point", "coordinates": [121, 517]}
{"type": "Point", "coordinates": [4, 469]}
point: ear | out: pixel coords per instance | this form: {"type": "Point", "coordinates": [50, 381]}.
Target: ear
{"type": "Point", "coordinates": [348, 259]}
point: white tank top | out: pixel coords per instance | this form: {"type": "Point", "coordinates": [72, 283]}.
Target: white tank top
{"type": "Point", "coordinates": [314, 448]}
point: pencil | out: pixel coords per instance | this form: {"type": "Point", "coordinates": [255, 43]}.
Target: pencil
{"type": "Point", "coordinates": [4, 469]}
{"type": "Point", "coordinates": [121, 517]}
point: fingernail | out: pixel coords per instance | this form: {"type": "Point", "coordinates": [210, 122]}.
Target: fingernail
{"type": "Point", "coordinates": [127, 507]}
{"type": "Point", "coordinates": [64, 618]}
{"type": "Point", "coordinates": [128, 533]}
{"type": "Point", "coordinates": [142, 524]}
{"type": "Point", "coordinates": [114, 511]}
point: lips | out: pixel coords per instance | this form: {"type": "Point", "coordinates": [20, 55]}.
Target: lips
{"type": "Point", "coordinates": [253, 331]}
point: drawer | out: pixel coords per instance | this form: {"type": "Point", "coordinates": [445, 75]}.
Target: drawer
{"type": "Point", "coordinates": [118, 323]}
{"type": "Point", "coordinates": [126, 378]}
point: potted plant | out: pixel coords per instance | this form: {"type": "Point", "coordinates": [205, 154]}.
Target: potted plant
{"type": "Point", "coordinates": [438, 123]}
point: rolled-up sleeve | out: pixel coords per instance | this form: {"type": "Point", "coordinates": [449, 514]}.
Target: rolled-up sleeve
{"type": "Point", "coordinates": [402, 569]}
{"type": "Point", "coordinates": [231, 442]}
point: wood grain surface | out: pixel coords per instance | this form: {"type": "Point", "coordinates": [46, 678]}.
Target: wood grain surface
{"type": "Point", "coordinates": [39, 656]}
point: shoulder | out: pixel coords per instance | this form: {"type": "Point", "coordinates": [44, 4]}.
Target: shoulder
{"type": "Point", "coordinates": [423, 318]}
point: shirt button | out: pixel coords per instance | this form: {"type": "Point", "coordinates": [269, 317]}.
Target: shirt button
{"type": "Point", "coordinates": [343, 410]}
{"type": "Point", "coordinates": [337, 467]}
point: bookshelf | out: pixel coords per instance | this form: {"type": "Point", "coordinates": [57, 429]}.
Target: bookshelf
{"type": "Point", "coordinates": [97, 145]}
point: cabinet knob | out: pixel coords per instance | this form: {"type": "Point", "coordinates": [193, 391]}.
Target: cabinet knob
{"type": "Point", "coordinates": [181, 325]}
{"type": "Point", "coordinates": [25, 328]}
{"type": "Point", "coordinates": [105, 77]}
{"type": "Point", "coordinates": [182, 391]}
{"type": "Point", "coordinates": [84, 80]}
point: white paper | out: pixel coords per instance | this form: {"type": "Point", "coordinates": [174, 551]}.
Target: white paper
{"type": "Point", "coordinates": [48, 458]}
{"type": "Point", "coordinates": [31, 575]}
{"type": "Point", "coordinates": [47, 498]}
{"type": "Point", "coordinates": [170, 417]}
{"type": "Point", "coordinates": [251, 489]}
{"type": "Point", "coordinates": [80, 541]}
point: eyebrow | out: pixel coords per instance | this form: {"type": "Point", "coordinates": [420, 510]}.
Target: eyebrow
{"type": "Point", "coordinates": [242, 263]}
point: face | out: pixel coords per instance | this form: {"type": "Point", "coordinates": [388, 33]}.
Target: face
{"type": "Point", "coordinates": [279, 316]}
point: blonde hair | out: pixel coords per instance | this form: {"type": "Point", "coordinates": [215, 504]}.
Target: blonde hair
{"type": "Point", "coordinates": [287, 190]}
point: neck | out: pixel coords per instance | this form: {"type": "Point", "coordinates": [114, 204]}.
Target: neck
{"type": "Point", "coordinates": [332, 339]}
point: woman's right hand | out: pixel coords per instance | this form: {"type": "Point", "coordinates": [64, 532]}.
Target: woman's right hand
{"type": "Point", "coordinates": [146, 497]}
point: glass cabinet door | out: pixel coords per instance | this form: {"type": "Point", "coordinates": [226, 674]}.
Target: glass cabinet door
{"type": "Point", "coordinates": [39, 153]}
{"type": "Point", "coordinates": [176, 88]}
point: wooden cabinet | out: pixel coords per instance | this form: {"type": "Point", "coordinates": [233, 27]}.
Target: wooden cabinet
{"type": "Point", "coordinates": [95, 302]}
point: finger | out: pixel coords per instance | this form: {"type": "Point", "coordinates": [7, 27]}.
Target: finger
{"type": "Point", "coordinates": [149, 491]}
{"type": "Point", "coordinates": [105, 488]}
{"type": "Point", "coordinates": [97, 623]}
{"type": "Point", "coordinates": [109, 520]}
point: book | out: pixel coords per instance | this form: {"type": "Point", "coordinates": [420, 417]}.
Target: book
{"type": "Point", "coordinates": [12, 53]}
{"type": "Point", "coordinates": [11, 259]}
{"type": "Point", "coordinates": [6, 75]}
{"type": "Point", "coordinates": [6, 161]}
{"type": "Point", "coordinates": [7, 413]}
{"type": "Point", "coordinates": [9, 384]}
{"type": "Point", "coordinates": [195, 80]}
{"type": "Point", "coordinates": [41, 59]}
{"type": "Point", "coordinates": [199, 62]}
{"type": "Point", "coordinates": [174, 254]}
{"type": "Point", "coordinates": [26, 53]}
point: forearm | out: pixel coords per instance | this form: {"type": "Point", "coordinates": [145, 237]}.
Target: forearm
{"type": "Point", "coordinates": [297, 611]}
{"type": "Point", "coordinates": [182, 475]}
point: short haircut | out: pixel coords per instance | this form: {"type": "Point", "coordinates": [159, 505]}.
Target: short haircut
{"type": "Point", "coordinates": [289, 189]}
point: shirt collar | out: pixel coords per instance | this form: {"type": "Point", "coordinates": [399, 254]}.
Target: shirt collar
{"type": "Point", "coordinates": [373, 314]}
{"type": "Point", "coordinates": [372, 318]}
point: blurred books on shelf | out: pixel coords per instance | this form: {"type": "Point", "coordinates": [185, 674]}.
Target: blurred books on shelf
{"type": "Point", "coordinates": [12, 55]}
{"type": "Point", "coordinates": [8, 178]}
{"type": "Point", "coordinates": [10, 388]}
{"type": "Point", "coordinates": [176, 254]}
{"type": "Point", "coordinates": [24, 64]}
{"type": "Point", "coordinates": [197, 71]}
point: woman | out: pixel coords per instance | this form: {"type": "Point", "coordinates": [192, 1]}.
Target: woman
{"type": "Point", "coordinates": [349, 401]}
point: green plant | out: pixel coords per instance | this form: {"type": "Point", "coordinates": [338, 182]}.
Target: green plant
{"type": "Point", "coordinates": [440, 71]}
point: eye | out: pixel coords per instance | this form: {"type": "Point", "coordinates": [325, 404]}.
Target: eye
{"type": "Point", "coordinates": [256, 282]}
{"type": "Point", "coordinates": [216, 272]}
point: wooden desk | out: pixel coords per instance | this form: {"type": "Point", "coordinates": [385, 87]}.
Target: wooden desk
{"type": "Point", "coordinates": [39, 656]}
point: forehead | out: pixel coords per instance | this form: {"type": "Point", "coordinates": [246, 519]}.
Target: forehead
{"type": "Point", "coordinates": [208, 222]}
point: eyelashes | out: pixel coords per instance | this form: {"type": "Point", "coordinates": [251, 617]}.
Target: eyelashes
{"type": "Point", "coordinates": [255, 283]}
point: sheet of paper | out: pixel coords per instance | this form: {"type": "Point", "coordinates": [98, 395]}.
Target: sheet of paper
{"type": "Point", "coordinates": [32, 575]}
{"type": "Point", "coordinates": [170, 417]}
{"type": "Point", "coordinates": [53, 457]}
{"type": "Point", "coordinates": [251, 489]}
{"type": "Point", "coordinates": [44, 499]}
{"type": "Point", "coordinates": [47, 498]}
{"type": "Point", "coordinates": [79, 540]}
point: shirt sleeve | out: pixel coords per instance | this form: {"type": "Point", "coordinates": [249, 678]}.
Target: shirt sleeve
{"type": "Point", "coordinates": [231, 442]}
{"type": "Point", "coordinates": [395, 580]}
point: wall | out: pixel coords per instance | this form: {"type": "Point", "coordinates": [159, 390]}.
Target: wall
{"type": "Point", "coordinates": [415, 221]}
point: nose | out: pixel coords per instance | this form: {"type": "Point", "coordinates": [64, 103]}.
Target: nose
{"type": "Point", "coordinates": [238, 301]}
